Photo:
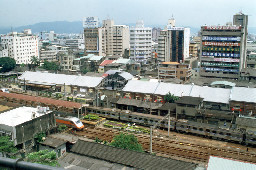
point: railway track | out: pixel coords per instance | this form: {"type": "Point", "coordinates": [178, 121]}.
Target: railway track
{"type": "Point", "coordinates": [172, 148]}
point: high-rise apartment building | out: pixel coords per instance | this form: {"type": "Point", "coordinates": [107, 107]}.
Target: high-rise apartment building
{"type": "Point", "coordinates": [173, 43]}
{"type": "Point", "coordinates": [109, 39]}
{"type": "Point", "coordinates": [223, 49]}
{"type": "Point", "coordinates": [21, 46]}
{"type": "Point", "coordinates": [140, 42]}
{"type": "Point", "coordinates": [115, 38]}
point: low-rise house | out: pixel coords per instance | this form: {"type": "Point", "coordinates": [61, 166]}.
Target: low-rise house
{"type": "Point", "coordinates": [53, 144]}
{"type": "Point", "coordinates": [243, 101]}
{"type": "Point", "coordinates": [23, 123]}
{"type": "Point", "coordinates": [104, 64]}
{"type": "Point", "coordinates": [187, 107]}
{"type": "Point", "coordinates": [129, 158]}
{"type": "Point", "coordinates": [246, 124]}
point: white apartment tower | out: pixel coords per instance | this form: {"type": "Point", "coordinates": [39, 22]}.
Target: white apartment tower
{"type": "Point", "coordinates": [140, 42]}
{"type": "Point", "coordinates": [21, 46]}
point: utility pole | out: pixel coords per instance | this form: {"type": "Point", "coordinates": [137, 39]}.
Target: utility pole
{"type": "Point", "coordinates": [25, 85]}
{"type": "Point", "coordinates": [169, 119]}
{"type": "Point", "coordinates": [151, 134]}
{"type": "Point", "coordinates": [154, 126]}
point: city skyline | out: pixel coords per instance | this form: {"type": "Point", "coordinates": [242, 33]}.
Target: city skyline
{"type": "Point", "coordinates": [186, 13]}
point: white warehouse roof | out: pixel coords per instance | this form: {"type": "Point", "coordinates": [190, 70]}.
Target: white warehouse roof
{"type": "Point", "coordinates": [140, 86]}
{"type": "Point", "coordinates": [51, 78]}
{"type": "Point", "coordinates": [218, 95]}
{"type": "Point", "coordinates": [175, 89]}
{"type": "Point", "coordinates": [19, 115]}
{"type": "Point", "coordinates": [243, 94]}
{"type": "Point", "coordinates": [216, 163]}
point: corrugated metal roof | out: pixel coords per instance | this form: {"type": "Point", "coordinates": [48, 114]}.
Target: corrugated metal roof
{"type": "Point", "coordinates": [87, 81]}
{"type": "Point", "coordinates": [96, 58]}
{"type": "Point", "coordinates": [106, 62]}
{"type": "Point", "coordinates": [122, 61]}
{"type": "Point", "coordinates": [218, 95]}
{"type": "Point", "coordinates": [190, 100]}
{"type": "Point", "coordinates": [112, 71]}
{"type": "Point", "coordinates": [243, 94]}
{"type": "Point", "coordinates": [126, 75]}
{"type": "Point", "coordinates": [227, 83]}
{"type": "Point", "coordinates": [44, 100]}
{"type": "Point", "coordinates": [52, 142]}
{"type": "Point", "coordinates": [129, 158]}
{"type": "Point", "coordinates": [175, 89]}
{"type": "Point", "coordinates": [140, 86]}
{"type": "Point", "coordinates": [216, 163]}
{"type": "Point", "coordinates": [50, 78]}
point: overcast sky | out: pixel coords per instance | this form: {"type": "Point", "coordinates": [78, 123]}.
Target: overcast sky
{"type": "Point", "coordinates": [186, 12]}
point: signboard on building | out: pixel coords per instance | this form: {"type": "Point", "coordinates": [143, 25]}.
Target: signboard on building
{"type": "Point", "coordinates": [226, 60]}
{"type": "Point", "coordinates": [170, 27]}
{"type": "Point", "coordinates": [207, 38]}
{"type": "Point", "coordinates": [224, 49]}
{"type": "Point", "coordinates": [215, 54]}
{"type": "Point", "coordinates": [222, 44]}
{"type": "Point", "coordinates": [91, 22]}
{"type": "Point", "coordinates": [140, 52]}
{"type": "Point", "coordinates": [221, 69]}
{"type": "Point", "coordinates": [222, 27]}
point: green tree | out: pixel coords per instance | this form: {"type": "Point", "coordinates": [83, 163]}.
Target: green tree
{"type": "Point", "coordinates": [84, 70]}
{"type": "Point", "coordinates": [7, 64]}
{"type": "Point", "coordinates": [39, 137]}
{"type": "Point", "coordinates": [170, 98]}
{"type": "Point", "coordinates": [44, 157]}
{"type": "Point", "coordinates": [62, 128]}
{"type": "Point", "coordinates": [51, 66]}
{"type": "Point", "coordinates": [126, 141]}
{"type": "Point", "coordinates": [6, 145]}
{"type": "Point", "coordinates": [34, 62]}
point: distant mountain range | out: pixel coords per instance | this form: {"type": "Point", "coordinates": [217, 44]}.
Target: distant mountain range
{"type": "Point", "coordinates": [77, 27]}
{"type": "Point", "coordinates": [57, 27]}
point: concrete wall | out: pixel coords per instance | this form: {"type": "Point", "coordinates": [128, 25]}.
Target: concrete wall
{"type": "Point", "coordinates": [26, 131]}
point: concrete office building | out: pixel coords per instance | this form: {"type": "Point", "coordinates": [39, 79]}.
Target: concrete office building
{"type": "Point", "coordinates": [173, 43]}
{"type": "Point", "coordinates": [171, 70]}
{"type": "Point", "coordinates": [223, 49]}
{"type": "Point", "coordinates": [92, 36]}
{"type": "Point", "coordinates": [21, 46]}
{"type": "Point", "coordinates": [140, 42]}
